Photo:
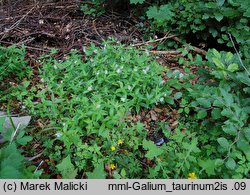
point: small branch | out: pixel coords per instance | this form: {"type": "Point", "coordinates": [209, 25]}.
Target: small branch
{"type": "Point", "coordinates": [156, 40]}
{"type": "Point", "coordinates": [195, 49]}
{"type": "Point", "coordinates": [171, 52]}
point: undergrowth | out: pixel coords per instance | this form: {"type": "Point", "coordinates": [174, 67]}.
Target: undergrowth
{"type": "Point", "coordinates": [87, 101]}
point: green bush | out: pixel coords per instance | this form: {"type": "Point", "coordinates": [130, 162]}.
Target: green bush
{"type": "Point", "coordinates": [89, 101]}
{"type": "Point", "coordinates": [204, 19]}
{"type": "Point", "coordinates": [221, 104]}
{"type": "Point", "coordinates": [12, 62]}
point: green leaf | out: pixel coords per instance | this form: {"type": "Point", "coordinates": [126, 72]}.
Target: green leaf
{"type": "Point", "coordinates": [243, 145]}
{"type": "Point", "coordinates": [230, 129]}
{"type": "Point", "coordinates": [216, 113]}
{"type": "Point", "coordinates": [233, 67]}
{"type": "Point", "coordinates": [123, 173]}
{"type": "Point", "coordinates": [208, 165]}
{"type": "Point", "coordinates": [220, 2]}
{"type": "Point", "coordinates": [2, 120]}
{"type": "Point", "coordinates": [153, 150]}
{"type": "Point", "coordinates": [201, 114]}
{"type": "Point", "coordinates": [24, 140]}
{"type": "Point", "coordinates": [178, 95]}
{"type": "Point", "coordinates": [67, 169]}
{"type": "Point", "coordinates": [229, 56]}
{"type": "Point", "coordinates": [247, 133]}
{"type": "Point", "coordinates": [219, 162]}
{"type": "Point", "coordinates": [218, 63]}
{"type": "Point", "coordinates": [231, 164]}
{"type": "Point", "coordinates": [216, 54]}
{"type": "Point", "coordinates": [204, 102]}
{"type": "Point", "coordinates": [223, 142]}
{"type": "Point", "coordinates": [161, 14]}
{"type": "Point", "coordinates": [218, 16]}
{"type": "Point", "coordinates": [98, 172]}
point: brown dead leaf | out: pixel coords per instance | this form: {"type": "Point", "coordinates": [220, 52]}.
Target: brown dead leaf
{"type": "Point", "coordinates": [157, 110]}
{"type": "Point", "coordinates": [174, 124]}
{"type": "Point", "coordinates": [153, 115]}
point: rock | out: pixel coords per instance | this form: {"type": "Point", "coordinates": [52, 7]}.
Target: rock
{"type": "Point", "coordinates": [22, 122]}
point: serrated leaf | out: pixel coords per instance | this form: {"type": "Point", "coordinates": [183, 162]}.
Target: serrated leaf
{"type": "Point", "coordinates": [67, 169]}
{"type": "Point", "coordinates": [218, 63]}
{"type": "Point", "coordinates": [208, 165]}
{"type": "Point", "coordinates": [233, 67]}
{"type": "Point", "coordinates": [161, 14]}
{"type": "Point", "coordinates": [231, 164]}
{"type": "Point", "coordinates": [98, 172]}
{"type": "Point", "coordinates": [223, 142]}
{"type": "Point", "coordinates": [201, 114]}
{"type": "Point", "coordinates": [153, 150]}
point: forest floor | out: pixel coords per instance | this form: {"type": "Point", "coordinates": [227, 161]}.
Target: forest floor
{"type": "Point", "coordinates": [43, 25]}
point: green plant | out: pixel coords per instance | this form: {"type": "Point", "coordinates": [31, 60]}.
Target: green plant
{"type": "Point", "coordinates": [88, 102]}
{"type": "Point", "coordinates": [221, 101]}
{"type": "Point", "coordinates": [12, 62]}
{"type": "Point", "coordinates": [203, 20]}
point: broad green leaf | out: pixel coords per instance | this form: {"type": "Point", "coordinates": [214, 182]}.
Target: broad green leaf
{"type": "Point", "coordinates": [230, 129]}
{"type": "Point", "coordinates": [204, 102]}
{"type": "Point", "coordinates": [153, 150]}
{"type": "Point", "coordinates": [231, 164]}
{"type": "Point", "coordinates": [218, 16]}
{"type": "Point", "coordinates": [216, 113]}
{"type": "Point", "coordinates": [223, 142]}
{"type": "Point", "coordinates": [201, 114]}
{"type": "Point", "coordinates": [216, 54]}
{"type": "Point", "coordinates": [67, 169]}
{"type": "Point", "coordinates": [243, 145]}
{"type": "Point", "coordinates": [229, 56]}
{"type": "Point", "coordinates": [178, 95]}
{"type": "Point", "coordinates": [220, 2]}
{"type": "Point", "coordinates": [219, 162]}
{"type": "Point", "coordinates": [161, 14]}
{"type": "Point", "coordinates": [98, 172]}
{"type": "Point", "coordinates": [24, 140]}
{"type": "Point", "coordinates": [208, 165]}
{"type": "Point", "coordinates": [218, 63]}
{"type": "Point", "coordinates": [233, 67]}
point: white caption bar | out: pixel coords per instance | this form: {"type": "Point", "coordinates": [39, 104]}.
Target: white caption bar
{"type": "Point", "coordinates": [133, 186]}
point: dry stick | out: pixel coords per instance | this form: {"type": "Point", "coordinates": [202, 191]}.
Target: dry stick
{"type": "Point", "coordinates": [94, 26]}
{"type": "Point", "coordinates": [195, 49]}
{"type": "Point", "coordinates": [156, 40]}
{"type": "Point", "coordinates": [16, 24]}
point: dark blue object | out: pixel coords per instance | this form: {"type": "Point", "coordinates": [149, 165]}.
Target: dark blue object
{"type": "Point", "coordinates": [159, 141]}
